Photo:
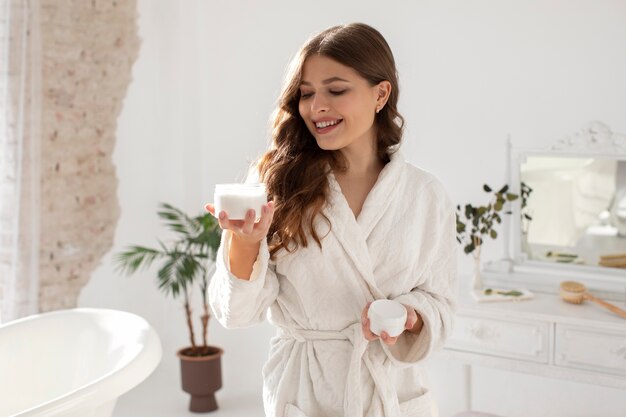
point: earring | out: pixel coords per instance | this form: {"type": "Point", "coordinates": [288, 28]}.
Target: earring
{"type": "Point", "coordinates": [377, 110]}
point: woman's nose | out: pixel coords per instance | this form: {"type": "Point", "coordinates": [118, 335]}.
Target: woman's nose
{"type": "Point", "coordinates": [318, 104]}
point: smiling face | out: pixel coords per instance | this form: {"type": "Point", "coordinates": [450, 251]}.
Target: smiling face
{"type": "Point", "coordinates": [337, 104]}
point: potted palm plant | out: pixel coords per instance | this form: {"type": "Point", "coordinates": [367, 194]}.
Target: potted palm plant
{"type": "Point", "coordinates": [186, 262]}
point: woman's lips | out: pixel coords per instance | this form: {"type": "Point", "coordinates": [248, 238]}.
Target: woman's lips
{"type": "Point", "coordinates": [327, 129]}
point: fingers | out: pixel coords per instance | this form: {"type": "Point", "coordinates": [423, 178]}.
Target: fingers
{"type": "Point", "coordinates": [267, 214]}
{"type": "Point", "coordinates": [263, 225]}
{"type": "Point", "coordinates": [260, 228]}
{"type": "Point", "coordinates": [222, 218]}
{"type": "Point", "coordinates": [411, 317]}
{"type": "Point", "coordinates": [227, 224]}
{"type": "Point", "coordinates": [364, 312]}
{"type": "Point", "coordinates": [367, 333]}
{"type": "Point", "coordinates": [248, 223]}
{"type": "Point", "coordinates": [388, 340]}
{"type": "Point", "coordinates": [248, 229]}
{"type": "Point", "coordinates": [365, 324]}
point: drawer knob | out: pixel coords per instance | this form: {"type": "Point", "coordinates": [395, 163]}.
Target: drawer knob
{"type": "Point", "coordinates": [620, 351]}
{"type": "Point", "coordinates": [483, 332]}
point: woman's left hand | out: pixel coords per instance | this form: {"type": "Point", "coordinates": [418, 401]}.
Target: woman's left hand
{"type": "Point", "coordinates": [413, 324]}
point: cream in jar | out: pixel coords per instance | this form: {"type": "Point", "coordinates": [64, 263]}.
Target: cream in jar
{"type": "Point", "coordinates": [237, 199]}
{"type": "Point", "coordinates": [387, 315]}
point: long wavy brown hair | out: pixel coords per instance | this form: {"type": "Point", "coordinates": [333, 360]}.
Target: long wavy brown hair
{"type": "Point", "coordinates": [295, 169]}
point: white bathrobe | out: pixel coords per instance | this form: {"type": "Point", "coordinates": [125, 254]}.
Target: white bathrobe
{"type": "Point", "coordinates": [401, 247]}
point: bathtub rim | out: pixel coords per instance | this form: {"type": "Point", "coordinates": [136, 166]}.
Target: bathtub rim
{"type": "Point", "coordinates": [110, 385]}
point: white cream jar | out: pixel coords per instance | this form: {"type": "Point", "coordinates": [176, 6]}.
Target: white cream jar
{"type": "Point", "coordinates": [237, 199]}
{"type": "Point", "coordinates": [387, 315]}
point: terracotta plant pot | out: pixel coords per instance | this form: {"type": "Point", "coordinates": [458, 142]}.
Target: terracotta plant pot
{"type": "Point", "coordinates": [201, 377]}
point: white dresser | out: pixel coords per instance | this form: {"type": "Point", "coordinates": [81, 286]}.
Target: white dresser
{"type": "Point", "coordinates": [544, 336]}
{"type": "Point", "coordinates": [568, 344]}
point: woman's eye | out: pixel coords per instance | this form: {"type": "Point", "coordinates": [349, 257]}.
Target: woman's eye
{"type": "Point", "coordinates": [305, 95]}
{"type": "Point", "coordinates": [337, 92]}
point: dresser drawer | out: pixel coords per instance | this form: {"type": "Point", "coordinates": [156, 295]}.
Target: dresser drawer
{"type": "Point", "coordinates": [591, 349]}
{"type": "Point", "coordinates": [508, 338]}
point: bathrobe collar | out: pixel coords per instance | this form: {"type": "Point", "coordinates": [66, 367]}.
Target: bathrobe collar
{"type": "Point", "coordinates": [352, 232]}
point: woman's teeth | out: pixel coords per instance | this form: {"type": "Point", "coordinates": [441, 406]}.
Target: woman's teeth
{"type": "Point", "coordinates": [321, 125]}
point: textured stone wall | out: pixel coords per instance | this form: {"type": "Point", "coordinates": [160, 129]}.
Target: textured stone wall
{"type": "Point", "coordinates": [88, 49]}
{"type": "Point", "coordinates": [19, 159]}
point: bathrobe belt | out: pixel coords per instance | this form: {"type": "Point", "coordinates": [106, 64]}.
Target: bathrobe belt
{"type": "Point", "coordinates": [353, 404]}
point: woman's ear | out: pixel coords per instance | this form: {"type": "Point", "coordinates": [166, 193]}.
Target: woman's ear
{"type": "Point", "coordinates": [384, 90]}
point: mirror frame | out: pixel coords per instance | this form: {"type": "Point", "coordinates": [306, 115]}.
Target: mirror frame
{"type": "Point", "coordinates": [515, 270]}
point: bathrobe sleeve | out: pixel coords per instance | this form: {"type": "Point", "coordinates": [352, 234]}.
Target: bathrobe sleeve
{"type": "Point", "coordinates": [434, 298]}
{"type": "Point", "coordinates": [238, 302]}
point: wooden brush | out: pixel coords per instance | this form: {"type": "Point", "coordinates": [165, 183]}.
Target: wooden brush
{"type": "Point", "coordinates": [617, 260]}
{"type": "Point", "coordinates": [613, 256]}
{"type": "Point", "coordinates": [575, 293]}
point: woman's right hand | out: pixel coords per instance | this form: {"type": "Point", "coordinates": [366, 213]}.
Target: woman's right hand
{"type": "Point", "coordinates": [246, 231]}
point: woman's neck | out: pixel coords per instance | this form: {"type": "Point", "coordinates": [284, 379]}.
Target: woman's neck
{"type": "Point", "coordinates": [361, 162]}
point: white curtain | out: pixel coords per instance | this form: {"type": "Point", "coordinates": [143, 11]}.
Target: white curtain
{"type": "Point", "coordinates": [20, 116]}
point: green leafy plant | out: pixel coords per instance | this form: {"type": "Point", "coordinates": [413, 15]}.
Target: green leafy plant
{"type": "Point", "coordinates": [184, 262]}
{"type": "Point", "coordinates": [511, 293]}
{"type": "Point", "coordinates": [525, 192]}
{"type": "Point", "coordinates": [474, 223]}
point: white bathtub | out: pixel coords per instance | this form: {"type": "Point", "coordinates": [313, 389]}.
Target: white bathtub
{"type": "Point", "coordinates": [74, 362]}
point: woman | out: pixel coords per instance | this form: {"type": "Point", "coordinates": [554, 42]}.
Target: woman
{"type": "Point", "coordinates": [349, 222]}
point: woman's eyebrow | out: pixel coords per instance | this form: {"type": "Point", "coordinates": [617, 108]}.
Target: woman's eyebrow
{"type": "Point", "coordinates": [326, 81]}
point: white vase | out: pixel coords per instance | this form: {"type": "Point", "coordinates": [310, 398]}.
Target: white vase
{"type": "Point", "coordinates": [526, 246]}
{"type": "Point", "coordinates": [477, 280]}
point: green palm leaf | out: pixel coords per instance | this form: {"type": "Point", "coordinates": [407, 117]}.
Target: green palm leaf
{"type": "Point", "coordinates": [133, 258]}
{"type": "Point", "coordinates": [178, 221]}
{"type": "Point", "coordinates": [168, 277]}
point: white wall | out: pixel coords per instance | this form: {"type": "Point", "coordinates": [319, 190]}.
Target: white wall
{"type": "Point", "coordinates": [471, 72]}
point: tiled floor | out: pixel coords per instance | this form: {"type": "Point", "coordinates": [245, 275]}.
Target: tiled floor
{"type": "Point", "coordinates": [161, 396]}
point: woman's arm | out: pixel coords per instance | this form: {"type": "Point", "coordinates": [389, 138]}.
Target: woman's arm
{"type": "Point", "coordinates": [242, 256]}
{"type": "Point", "coordinates": [433, 300]}
{"type": "Point", "coordinates": [245, 239]}
{"type": "Point", "coordinates": [244, 284]}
